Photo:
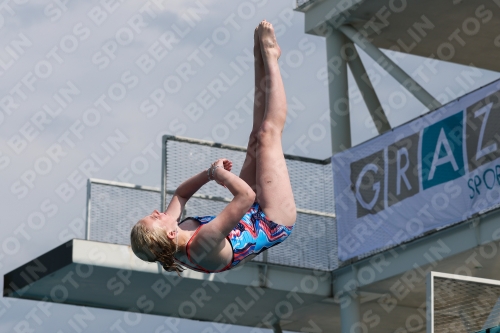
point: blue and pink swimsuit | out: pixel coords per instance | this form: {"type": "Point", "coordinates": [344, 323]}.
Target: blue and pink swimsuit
{"type": "Point", "coordinates": [253, 234]}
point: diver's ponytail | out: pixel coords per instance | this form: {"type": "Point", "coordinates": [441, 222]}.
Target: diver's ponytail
{"type": "Point", "coordinates": [154, 245]}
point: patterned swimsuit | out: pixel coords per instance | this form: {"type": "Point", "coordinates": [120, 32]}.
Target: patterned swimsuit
{"type": "Point", "coordinates": [253, 234]}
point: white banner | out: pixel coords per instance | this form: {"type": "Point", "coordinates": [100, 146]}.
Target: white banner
{"type": "Point", "coordinates": [434, 171]}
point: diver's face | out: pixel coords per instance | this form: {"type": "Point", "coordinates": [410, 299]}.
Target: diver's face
{"type": "Point", "coordinates": [162, 220]}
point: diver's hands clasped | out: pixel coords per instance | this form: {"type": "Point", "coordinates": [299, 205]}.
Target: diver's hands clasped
{"type": "Point", "coordinates": [223, 163]}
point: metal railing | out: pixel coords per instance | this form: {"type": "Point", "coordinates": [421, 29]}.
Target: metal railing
{"type": "Point", "coordinates": [113, 208]}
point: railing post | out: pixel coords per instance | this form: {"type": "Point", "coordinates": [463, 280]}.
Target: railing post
{"type": "Point", "coordinates": [87, 217]}
{"type": "Point", "coordinates": [277, 328]}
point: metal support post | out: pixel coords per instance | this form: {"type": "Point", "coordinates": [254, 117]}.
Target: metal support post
{"type": "Point", "coordinates": [390, 66]}
{"type": "Point", "coordinates": [345, 285]}
{"type": "Point", "coordinates": [87, 215]}
{"type": "Point", "coordinates": [164, 188]}
{"type": "Point", "coordinates": [367, 91]}
{"type": "Point", "coordinates": [277, 328]}
{"type": "Point", "coordinates": [338, 92]}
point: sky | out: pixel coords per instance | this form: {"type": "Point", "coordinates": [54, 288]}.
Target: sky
{"type": "Point", "coordinates": [74, 74]}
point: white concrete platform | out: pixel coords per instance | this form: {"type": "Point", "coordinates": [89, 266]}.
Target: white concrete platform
{"type": "Point", "coordinates": [109, 276]}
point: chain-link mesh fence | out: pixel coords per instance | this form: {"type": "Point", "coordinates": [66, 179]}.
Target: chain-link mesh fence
{"type": "Point", "coordinates": [463, 305]}
{"type": "Point", "coordinates": [113, 208]}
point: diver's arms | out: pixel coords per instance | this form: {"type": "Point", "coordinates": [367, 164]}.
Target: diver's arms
{"type": "Point", "coordinates": [243, 199]}
{"type": "Point", "coordinates": [184, 192]}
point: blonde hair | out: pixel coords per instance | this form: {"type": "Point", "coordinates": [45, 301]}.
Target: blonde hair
{"type": "Point", "coordinates": [152, 244]}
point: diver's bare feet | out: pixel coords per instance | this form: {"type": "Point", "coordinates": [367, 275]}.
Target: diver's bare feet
{"type": "Point", "coordinates": [269, 46]}
{"type": "Point", "coordinates": [256, 49]}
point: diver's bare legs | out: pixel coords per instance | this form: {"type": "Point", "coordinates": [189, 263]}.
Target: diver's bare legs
{"type": "Point", "coordinates": [249, 171]}
{"type": "Point", "coordinates": [274, 191]}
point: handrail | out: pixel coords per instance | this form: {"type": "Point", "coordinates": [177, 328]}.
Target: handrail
{"type": "Point", "coordinates": [197, 196]}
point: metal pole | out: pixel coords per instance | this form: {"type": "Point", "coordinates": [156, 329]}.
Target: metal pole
{"type": "Point", "coordinates": [277, 327]}
{"type": "Point", "coordinates": [87, 216]}
{"type": "Point", "coordinates": [390, 66]}
{"type": "Point", "coordinates": [367, 91]}
{"type": "Point", "coordinates": [350, 305]}
{"type": "Point", "coordinates": [430, 302]}
{"type": "Point", "coordinates": [164, 172]}
{"type": "Point", "coordinates": [337, 91]}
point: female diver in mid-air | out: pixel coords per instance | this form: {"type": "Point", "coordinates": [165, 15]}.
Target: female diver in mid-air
{"type": "Point", "coordinates": [213, 244]}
